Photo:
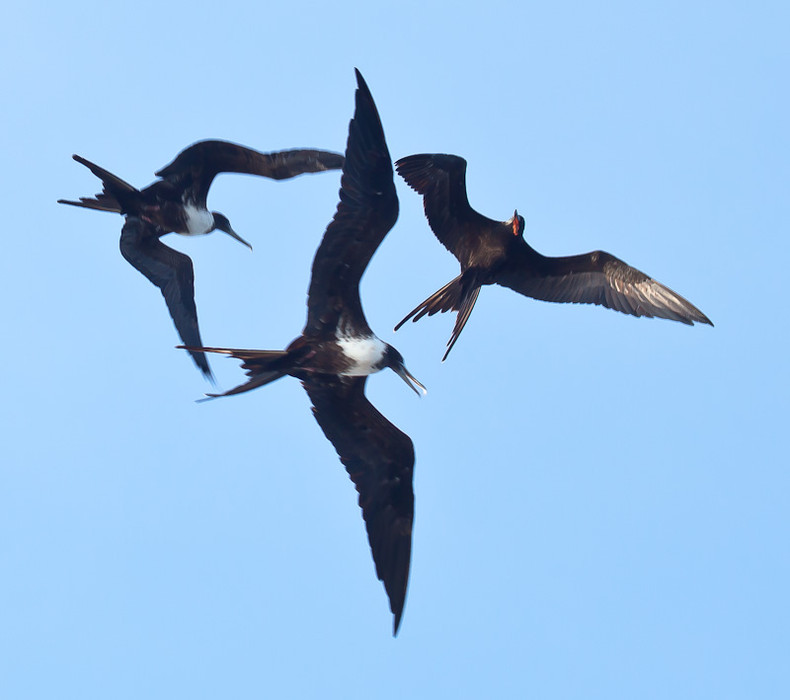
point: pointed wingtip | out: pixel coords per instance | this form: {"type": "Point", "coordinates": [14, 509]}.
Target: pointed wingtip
{"type": "Point", "coordinates": [361, 84]}
{"type": "Point", "coordinates": [396, 623]}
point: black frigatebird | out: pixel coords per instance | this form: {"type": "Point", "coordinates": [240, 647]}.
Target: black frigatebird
{"type": "Point", "coordinates": [177, 203]}
{"type": "Point", "coordinates": [495, 252]}
{"type": "Point", "coordinates": [337, 351]}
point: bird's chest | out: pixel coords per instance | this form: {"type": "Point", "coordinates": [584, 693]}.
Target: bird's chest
{"type": "Point", "coordinates": [360, 356]}
{"type": "Point", "coordinates": [197, 220]}
{"type": "Point", "coordinates": [483, 250]}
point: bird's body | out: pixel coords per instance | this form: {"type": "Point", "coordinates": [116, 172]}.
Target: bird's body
{"type": "Point", "coordinates": [197, 221]}
{"type": "Point", "coordinates": [495, 252]}
{"type": "Point", "coordinates": [176, 203]}
{"type": "Point", "coordinates": [337, 351]}
{"type": "Point", "coordinates": [365, 355]}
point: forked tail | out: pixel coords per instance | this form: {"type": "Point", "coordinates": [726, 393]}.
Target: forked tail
{"type": "Point", "coordinates": [467, 304]}
{"type": "Point", "coordinates": [101, 202]}
{"type": "Point", "coordinates": [117, 193]}
{"type": "Point", "coordinates": [459, 295]}
{"type": "Point", "coordinates": [448, 298]}
{"type": "Point", "coordinates": [262, 366]}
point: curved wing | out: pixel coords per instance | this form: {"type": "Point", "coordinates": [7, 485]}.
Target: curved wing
{"type": "Point", "coordinates": [595, 278]}
{"type": "Point", "coordinates": [367, 210]}
{"type": "Point", "coordinates": [379, 458]}
{"type": "Point", "coordinates": [172, 272]}
{"type": "Point", "coordinates": [441, 179]}
{"type": "Point", "coordinates": [198, 164]}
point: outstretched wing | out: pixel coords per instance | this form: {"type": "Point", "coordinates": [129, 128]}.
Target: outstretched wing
{"type": "Point", "coordinates": [198, 164]}
{"type": "Point", "coordinates": [441, 180]}
{"type": "Point", "coordinates": [172, 272]}
{"type": "Point", "coordinates": [379, 458]}
{"type": "Point", "coordinates": [367, 210]}
{"type": "Point", "coordinates": [595, 278]}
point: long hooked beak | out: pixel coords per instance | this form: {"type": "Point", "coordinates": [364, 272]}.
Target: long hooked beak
{"type": "Point", "coordinates": [222, 224]}
{"type": "Point", "coordinates": [411, 380]}
{"type": "Point", "coordinates": [235, 235]}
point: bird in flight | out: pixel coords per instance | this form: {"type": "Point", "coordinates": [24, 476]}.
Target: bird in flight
{"type": "Point", "coordinates": [176, 203]}
{"type": "Point", "coordinates": [495, 252]}
{"type": "Point", "coordinates": [337, 351]}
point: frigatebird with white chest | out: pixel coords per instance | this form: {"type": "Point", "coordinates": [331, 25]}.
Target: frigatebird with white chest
{"type": "Point", "coordinates": [177, 203]}
{"type": "Point", "coordinates": [495, 252]}
{"type": "Point", "coordinates": [337, 351]}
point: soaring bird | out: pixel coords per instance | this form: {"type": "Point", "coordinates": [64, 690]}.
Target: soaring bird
{"type": "Point", "coordinates": [495, 252]}
{"type": "Point", "coordinates": [337, 351]}
{"type": "Point", "coordinates": [177, 203]}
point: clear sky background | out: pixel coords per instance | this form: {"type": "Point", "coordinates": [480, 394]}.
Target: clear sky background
{"type": "Point", "coordinates": [601, 501]}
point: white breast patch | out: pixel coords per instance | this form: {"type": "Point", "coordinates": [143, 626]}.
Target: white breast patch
{"type": "Point", "coordinates": [365, 354]}
{"type": "Point", "coordinates": [199, 221]}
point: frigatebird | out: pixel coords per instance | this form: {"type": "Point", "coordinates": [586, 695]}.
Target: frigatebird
{"type": "Point", "coordinates": [495, 252]}
{"type": "Point", "coordinates": [177, 203]}
{"type": "Point", "coordinates": [337, 351]}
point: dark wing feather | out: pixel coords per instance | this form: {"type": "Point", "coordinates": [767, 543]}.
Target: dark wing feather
{"type": "Point", "coordinates": [441, 179]}
{"type": "Point", "coordinates": [201, 162]}
{"type": "Point", "coordinates": [595, 278]}
{"type": "Point", "coordinates": [172, 272]}
{"type": "Point", "coordinates": [379, 458]}
{"type": "Point", "coordinates": [367, 210]}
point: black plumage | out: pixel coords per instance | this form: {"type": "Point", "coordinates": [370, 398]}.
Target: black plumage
{"type": "Point", "coordinates": [337, 350]}
{"type": "Point", "coordinates": [177, 203]}
{"type": "Point", "coordinates": [172, 273]}
{"type": "Point", "coordinates": [495, 252]}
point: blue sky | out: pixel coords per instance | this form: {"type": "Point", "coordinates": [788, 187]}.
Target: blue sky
{"type": "Point", "coordinates": [601, 501]}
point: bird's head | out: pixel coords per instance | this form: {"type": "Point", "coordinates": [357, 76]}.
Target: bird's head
{"type": "Point", "coordinates": [221, 223]}
{"type": "Point", "coordinates": [517, 222]}
{"type": "Point", "coordinates": [394, 360]}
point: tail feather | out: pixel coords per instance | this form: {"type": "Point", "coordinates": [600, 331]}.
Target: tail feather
{"type": "Point", "coordinates": [256, 381]}
{"type": "Point", "coordinates": [118, 195]}
{"type": "Point", "coordinates": [111, 182]}
{"type": "Point", "coordinates": [459, 295]}
{"type": "Point", "coordinates": [101, 202]}
{"type": "Point", "coordinates": [448, 298]}
{"type": "Point", "coordinates": [261, 366]}
{"type": "Point", "coordinates": [467, 304]}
